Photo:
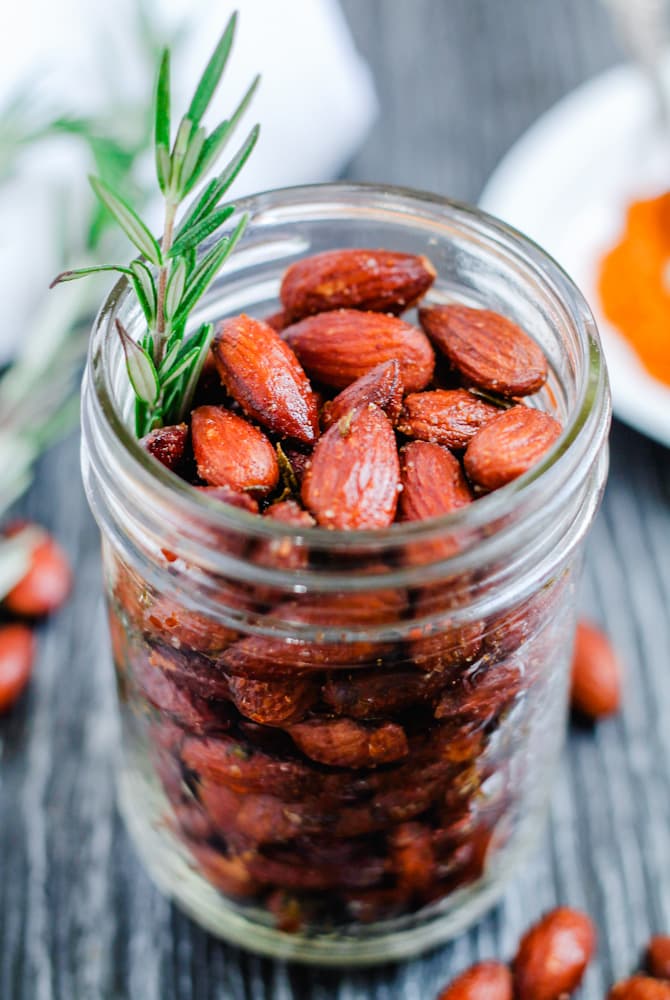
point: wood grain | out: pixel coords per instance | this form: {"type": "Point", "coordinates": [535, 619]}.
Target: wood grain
{"type": "Point", "coordinates": [458, 80]}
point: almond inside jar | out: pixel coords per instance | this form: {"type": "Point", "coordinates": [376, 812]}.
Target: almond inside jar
{"type": "Point", "coordinates": [327, 782]}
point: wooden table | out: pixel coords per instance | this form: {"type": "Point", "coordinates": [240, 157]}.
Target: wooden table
{"type": "Point", "coordinates": [459, 80]}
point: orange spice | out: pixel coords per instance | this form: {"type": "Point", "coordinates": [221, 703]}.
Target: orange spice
{"type": "Point", "coordinates": [634, 284]}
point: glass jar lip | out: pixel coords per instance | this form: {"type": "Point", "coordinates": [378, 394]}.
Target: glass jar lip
{"type": "Point", "coordinates": [589, 416]}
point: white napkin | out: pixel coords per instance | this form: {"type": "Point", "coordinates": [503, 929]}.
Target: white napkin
{"type": "Point", "coordinates": [315, 104]}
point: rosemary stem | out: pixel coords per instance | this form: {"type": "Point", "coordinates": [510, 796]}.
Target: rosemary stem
{"type": "Point", "coordinates": [166, 243]}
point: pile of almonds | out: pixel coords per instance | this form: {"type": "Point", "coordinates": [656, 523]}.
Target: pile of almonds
{"type": "Point", "coordinates": [379, 419]}
{"type": "Point", "coordinates": [339, 782]}
{"type": "Point", "coordinates": [550, 963]}
{"type": "Point", "coordinates": [42, 590]}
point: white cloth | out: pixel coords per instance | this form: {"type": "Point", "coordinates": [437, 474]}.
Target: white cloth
{"type": "Point", "coordinates": [315, 104]}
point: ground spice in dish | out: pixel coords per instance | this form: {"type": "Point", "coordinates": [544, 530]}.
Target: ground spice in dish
{"type": "Point", "coordinates": [634, 284]}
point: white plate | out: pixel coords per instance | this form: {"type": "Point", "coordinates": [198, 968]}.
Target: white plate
{"type": "Point", "coordinates": [566, 184]}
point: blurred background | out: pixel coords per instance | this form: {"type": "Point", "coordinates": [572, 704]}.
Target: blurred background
{"type": "Point", "coordinates": [457, 97]}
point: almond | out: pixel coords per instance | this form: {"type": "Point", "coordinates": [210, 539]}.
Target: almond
{"type": "Point", "coordinates": [485, 981]}
{"type": "Point", "coordinates": [17, 652]}
{"type": "Point", "coordinates": [640, 988]}
{"type": "Point", "coordinates": [338, 347]}
{"type": "Point", "coordinates": [262, 374]}
{"type": "Point", "coordinates": [167, 445]}
{"type": "Point", "coordinates": [658, 956]}
{"type": "Point", "coordinates": [274, 702]}
{"type": "Point", "coordinates": [596, 675]}
{"type": "Point", "coordinates": [488, 350]}
{"type": "Point", "coordinates": [509, 446]}
{"type": "Point", "coordinates": [46, 585]}
{"type": "Point", "coordinates": [379, 280]}
{"type": "Point", "coordinates": [411, 850]}
{"type": "Point", "coordinates": [277, 320]}
{"type": "Point", "coordinates": [345, 743]}
{"type": "Point", "coordinates": [381, 386]}
{"type": "Point", "coordinates": [433, 483]}
{"type": "Point", "coordinates": [445, 416]}
{"type": "Point", "coordinates": [354, 476]}
{"type": "Point", "coordinates": [553, 955]}
{"type": "Point", "coordinates": [236, 499]}
{"type": "Point", "coordinates": [230, 452]}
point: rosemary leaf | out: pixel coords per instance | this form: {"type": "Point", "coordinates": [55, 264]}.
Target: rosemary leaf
{"type": "Point", "coordinates": [83, 272]}
{"type": "Point", "coordinates": [208, 267]}
{"type": "Point", "coordinates": [191, 238]}
{"type": "Point", "coordinates": [141, 369]}
{"type": "Point", "coordinates": [180, 367]}
{"type": "Point", "coordinates": [162, 123]}
{"type": "Point", "coordinates": [129, 221]}
{"type": "Point", "coordinates": [204, 339]}
{"type": "Point", "coordinates": [209, 80]}
{"type": "Point", "coordinates": [145, 278]}
{"type": "Point", "coordinates": [175, 289]}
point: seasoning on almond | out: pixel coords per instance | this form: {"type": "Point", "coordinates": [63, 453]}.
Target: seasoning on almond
{"type": "Point", "coordinates": [445, 416]}
{"type": "Point", "coordinates": [167, 445]}
{"type": "Point", "coordinates": [432, 482]}
{"type": "Point", "coordinates": [380, 280]}
{"type": "Point", "coordinates": [382, 385]}
{"type": "Point", "coordinates": [484, 981]}
{"type": "Point", "coordinates": [553, 955]}
{"type": "Point", "coordinates": [596, 675]}
{"type": "Point", "coordinates": [489, 350]}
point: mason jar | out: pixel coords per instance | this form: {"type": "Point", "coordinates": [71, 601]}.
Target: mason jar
{"type": "Point", "coordinates": [338, 746]}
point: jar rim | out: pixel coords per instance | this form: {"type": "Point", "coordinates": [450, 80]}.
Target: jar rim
{"type": "Point", "coordinates": [579, 442]}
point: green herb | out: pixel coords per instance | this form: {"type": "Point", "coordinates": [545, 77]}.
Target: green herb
{"type": "Point", "coordinates": [164, 366]}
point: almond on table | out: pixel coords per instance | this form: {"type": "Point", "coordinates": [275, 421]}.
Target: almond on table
{"type": "Point", "coordinates": [596, 677]}
{"type": "Point", "coordinates": [379, 280]}
{"type": "Point", "coordinates": [338, 347]}
{"type": "Point", "coordinates": [485, 981]}
{"type": "Point", "coordinates": [553, 955]}
{"type": "Point", "coordinates": [489, 350]}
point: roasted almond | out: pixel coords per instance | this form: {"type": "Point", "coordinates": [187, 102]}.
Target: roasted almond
{"type": "Point", "coordinates": [230, 452]}
{"type": "Point", "coordinates": [553, 955]}
{"type": "Point", "coordinates": [338, 347]}
{"type": "Point", "coordinates": [345, 743]}
{"type": "Point", "coordinates": [489, 350]}
{"type": "Point", "coordinates": [354, 476]}
{"type": "Point", "coordinates": [167, 444]}
{"type": "Point", "coordinates": [640, 988]}
{"type": "Point", "coordinates": [411, 850]}
{"type": "Point", "coordinates": [445, 416]}
{"type": "Point", "coordinates": [261, 372]}
{"type": "Point", "coordinates": [381, 386]}
{"type": "Point", "coordinates": [432, 482]}
{"type": "Point", "coordinates": [17, 652]}
{"type": "Point", "coordinates": [509, 445]}
{"type": "Point", "coordinates": [380, 280]}
{"type": "Point", "coordinates": [484, 981]}
{"type": "Point", "coordinates": [243, 501]}
{"type": "Point", "coordinates": [596, 675]}
{"type": "Point", "coordinates": [273, 702]}
{"type": "Point", "coordinates": [48, 582]}
{"type": "Point", "coordinates": [658, 956]}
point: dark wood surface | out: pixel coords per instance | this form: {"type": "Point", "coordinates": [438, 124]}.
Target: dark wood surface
{"type": "Point", "coordinates": [458, 80]}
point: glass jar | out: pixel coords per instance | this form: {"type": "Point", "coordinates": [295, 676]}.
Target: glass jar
{"type": "Point", "coordinates": [337, 746]}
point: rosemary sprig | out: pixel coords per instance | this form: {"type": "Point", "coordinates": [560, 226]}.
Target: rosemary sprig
{"type": "Point", "coordinates": [171, 274]}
